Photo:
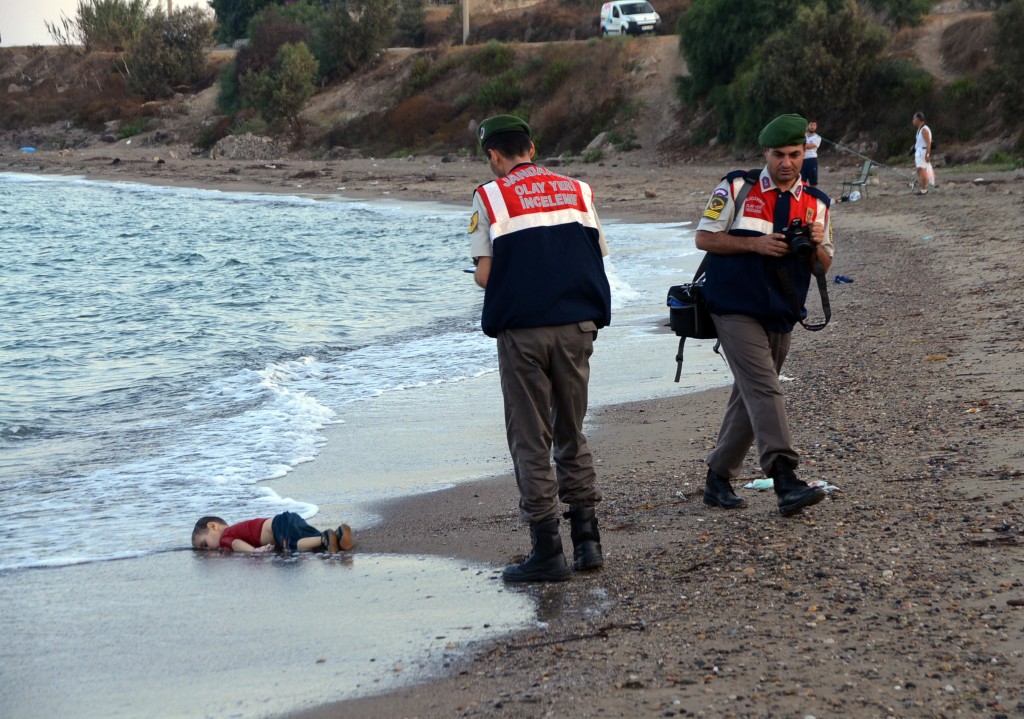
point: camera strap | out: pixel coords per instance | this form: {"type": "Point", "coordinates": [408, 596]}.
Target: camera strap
{"type": "Point", "coordinates": [787, 287]}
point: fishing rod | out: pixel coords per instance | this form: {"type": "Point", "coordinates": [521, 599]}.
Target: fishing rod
{"type": "Point", "coordinates": [893, 170]}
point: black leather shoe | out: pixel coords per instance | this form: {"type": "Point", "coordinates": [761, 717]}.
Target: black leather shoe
{"type": "Point", "coordinates": [793, 494]}
{"type": "Point", "coordinates": [718, 493]}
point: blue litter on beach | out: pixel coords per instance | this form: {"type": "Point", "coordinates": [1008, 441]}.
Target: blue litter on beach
{"type": "Point", "coordinates": [926, 238]}
{"type": "Point", "coordinates": [843, 279]}
{"type": "Point", "coordinates": [28, 149]}
{"type": "Point", "coordinates": [769, 483]}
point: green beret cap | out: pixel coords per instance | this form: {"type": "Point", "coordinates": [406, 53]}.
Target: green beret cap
{"type": "Point", "coordinates": [784, 131]}
{"type": "Point", "coordinates": [500, 124]}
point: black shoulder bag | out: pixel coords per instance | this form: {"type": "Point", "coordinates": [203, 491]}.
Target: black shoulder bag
{"type": "Point", "coordinates": [688, 314]}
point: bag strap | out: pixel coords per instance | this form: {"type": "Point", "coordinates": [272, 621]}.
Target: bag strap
{"type": "Point", "coordinates": [679, 355]}
{"type": "Point", "coordinates": [679, 358]}
{"type": "Point", "coordinates": [750, 178]}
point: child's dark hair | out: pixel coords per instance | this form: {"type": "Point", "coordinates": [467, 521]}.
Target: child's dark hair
{"type": "Point", "coordinates": [201, 525]}
{"type": "Point", "coordinates": [509, 144]}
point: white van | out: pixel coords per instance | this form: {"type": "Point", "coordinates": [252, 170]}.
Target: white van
{"type": "Point", "coordinates": [628, 17]}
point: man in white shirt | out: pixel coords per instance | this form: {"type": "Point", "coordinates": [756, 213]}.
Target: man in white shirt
{"type": "Point", "coordinates": [809, 171]}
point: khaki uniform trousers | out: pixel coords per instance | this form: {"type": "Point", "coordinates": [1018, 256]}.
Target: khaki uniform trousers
{"type": "Point", "coordinates": [544, 376]}
{"type": "Point", "coordinates": [756, 409]}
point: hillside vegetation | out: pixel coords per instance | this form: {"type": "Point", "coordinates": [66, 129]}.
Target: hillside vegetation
{"type": "Point", "coordinates": [544, 62]}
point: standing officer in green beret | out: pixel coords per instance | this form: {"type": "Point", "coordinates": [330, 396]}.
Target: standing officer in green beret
{"type": "Point", "coordinates": [755, 288]}
{"type": "Point", "coordinates": [539, 253]}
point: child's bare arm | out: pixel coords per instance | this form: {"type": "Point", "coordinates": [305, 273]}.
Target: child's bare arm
{"type": "Point", "coordinates": [238, 545]}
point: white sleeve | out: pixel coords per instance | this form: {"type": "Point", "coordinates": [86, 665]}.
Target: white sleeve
{"type": "Point", "coordinates": [479, 230]}
{"type": "Point", "coordinates": [719, 213]}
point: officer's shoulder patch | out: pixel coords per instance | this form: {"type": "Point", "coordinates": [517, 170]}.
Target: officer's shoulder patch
{"type": "Point", "coordinates": [715, 206]}
{"type": "Point", "coordinates": [473, 222]}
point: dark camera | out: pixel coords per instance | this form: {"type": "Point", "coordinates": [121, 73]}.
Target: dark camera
{"type": "Point", "coordinates": [798, 235]}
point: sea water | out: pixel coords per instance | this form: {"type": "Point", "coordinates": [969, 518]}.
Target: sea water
{"type": "Point", "coordinates": [166, 352]}
{"type": "Point", "coordinates": [169, 352]}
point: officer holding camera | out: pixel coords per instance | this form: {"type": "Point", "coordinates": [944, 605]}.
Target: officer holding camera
{"type": "Point", "coordinates": [763, 232]}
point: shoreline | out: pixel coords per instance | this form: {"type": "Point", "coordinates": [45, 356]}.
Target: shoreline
{"type": "Point", "coordinates": [896, 599]}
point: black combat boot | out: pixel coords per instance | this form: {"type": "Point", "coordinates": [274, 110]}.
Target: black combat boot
{"type": "Point", "coordinates": [586, 539]}
{"type": "Point", "coordinates": [718, 493]}
{"type": "Point", "coordinates": [792, 494]}
{"type": "Point", "coordinates": [545, 562]}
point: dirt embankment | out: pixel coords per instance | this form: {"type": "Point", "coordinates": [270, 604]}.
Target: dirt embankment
{"type": "Point", "coordinates": [53, 98]}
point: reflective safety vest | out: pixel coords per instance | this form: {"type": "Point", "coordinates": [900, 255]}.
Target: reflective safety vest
{"type": "Point", "coordinates": [547, 267]}
{"type": "Point", "coordinates": [750, 283]}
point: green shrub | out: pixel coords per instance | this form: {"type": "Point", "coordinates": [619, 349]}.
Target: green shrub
{"type": "Point", "coordinates": [557, 73]}
{"type": "Point", "coordinates": [500, 93]}
{"type": "Point", "coordinates": [425, 71]}
{"type": "Point", "coordinates": [898, 79]}
{"type": "Point", "coordinates": [624, 142]}
{"type": "Point", "coordinates": [280, 92]}
{"type": "Point", "coordinates": [229, 94]}
{"type": "Point", "coordinates": [902, 13]}
{"type": "Point", "coordinates": [350, 35]}
{"type": "Point", "coordinates": [411, 24]}
{"type": "Point", "coordinates": [717, 40]}
{"type": "Point", "coordinates": [270, 30]}
{"type": "Point", "coordinates": [594, 155]}
{"type": "Point", "coordinates": [131, 129]}
{"type": "Point", "coordinates": [1009, 54]}
{"type": "Point", "coordinates": [108, 25]}
{"type": "Point", "coordinates": [492, 59]}
{"type": "Point", "coordinates": [169, 52]}
{"type": "Point", "coordinates": [233, 17]}
{"type": "Point", "coordinates": [254, 125]}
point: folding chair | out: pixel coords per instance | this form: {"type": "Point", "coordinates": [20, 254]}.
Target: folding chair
{"type": "Point", "coordinates": [861, 182]}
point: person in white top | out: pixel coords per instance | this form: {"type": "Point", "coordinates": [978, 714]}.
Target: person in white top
{"type": "Point", "coordinates": [809, 170]}
{"type": "Point", "coordinates": [923, 154]}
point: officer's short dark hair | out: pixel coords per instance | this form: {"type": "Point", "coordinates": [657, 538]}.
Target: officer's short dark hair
{"type": "Point", "coordinates": [509, 144]}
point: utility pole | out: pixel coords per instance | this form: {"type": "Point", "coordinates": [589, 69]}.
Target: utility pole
{"type": "Point", "coordinates": [465, 20]}
{"type": "Point", "coordinates": [169, 10]}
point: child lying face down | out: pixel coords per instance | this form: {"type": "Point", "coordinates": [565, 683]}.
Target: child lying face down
{"type": "Point", "coordinates": [284, 531]}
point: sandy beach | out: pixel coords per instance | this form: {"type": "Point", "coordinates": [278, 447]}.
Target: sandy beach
{"type": "Point", "coordinates": [901, 598]}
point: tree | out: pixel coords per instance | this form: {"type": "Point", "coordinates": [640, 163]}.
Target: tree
{"type": "Point", "coordinates": [110, 25]}
{"type": "Point", "coordinates": [902, 13]}
{"type": "Point", "coordinates": [411, 23]}
{"type": "Point", "coordinates": [233, 16]}
{"type": "Point", "coordinates": [1009, 20]}
{"type": "Point", "coordinates": [352, 33]}
{"type": "Point", "coordinates": [837, 53]}
{"type": "Point", "coordinates": [717, 37]}
{"type": "Point", "coordinates": [280, 92]}
{"type": "Point", "coordinates": [811, 56]}
{"type": "Point", "coordinates": [170, 51]}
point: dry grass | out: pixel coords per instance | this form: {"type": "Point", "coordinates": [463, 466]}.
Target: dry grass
{"type": "Point", "coordinates": [967, 45]}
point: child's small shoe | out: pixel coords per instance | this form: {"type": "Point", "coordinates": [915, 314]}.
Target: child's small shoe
{"type": "Point", "coordinates": [344, 536]}
{"type": "Point", "coordinates": [329, 541]}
